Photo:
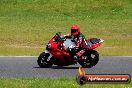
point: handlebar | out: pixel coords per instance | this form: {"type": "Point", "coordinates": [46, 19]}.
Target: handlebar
{"type": "Point", "coordinates": [59, 37]}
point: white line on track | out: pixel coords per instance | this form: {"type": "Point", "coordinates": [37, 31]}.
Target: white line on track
{"type": "Point", "coordinates": [18, 56]}
{"type": "Point", "coordinates": [37, 56]}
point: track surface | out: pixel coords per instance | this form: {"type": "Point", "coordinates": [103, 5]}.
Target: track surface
{"type": "Point", "coordinates": [27, 67]}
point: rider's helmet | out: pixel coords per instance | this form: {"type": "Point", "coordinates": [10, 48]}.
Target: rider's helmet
{"type": "Point", "coordinates": [75, 30]}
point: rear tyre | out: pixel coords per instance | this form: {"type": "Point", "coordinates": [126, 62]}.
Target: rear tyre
{"type": "Point", "coordinates": [43, 60]}
{"type": "Point", "coordinates": [91, 60]}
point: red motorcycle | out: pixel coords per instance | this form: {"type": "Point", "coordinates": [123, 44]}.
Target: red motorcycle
{"type": "Point", "coordinates": [57, 55]}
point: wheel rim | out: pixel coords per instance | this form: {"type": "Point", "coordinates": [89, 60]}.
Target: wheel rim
{"type": "Point", "coordinates": [42, 61]}
{"type": "Point", "coordinates": [91, 60]}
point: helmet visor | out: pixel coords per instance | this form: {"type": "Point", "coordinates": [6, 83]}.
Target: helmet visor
{"type": "Point", "coordinates": [74, 30]}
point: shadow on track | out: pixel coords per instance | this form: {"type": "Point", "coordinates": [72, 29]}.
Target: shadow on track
{"type": "Point", "coordinates": [60, 67]}
{"type": "Point", "coordinates": [63, 67]}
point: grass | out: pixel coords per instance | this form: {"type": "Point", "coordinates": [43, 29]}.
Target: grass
{"type": "Point", "coordinates": [27, 25]}
{"type": "Point", "coordinates": [52, 83]}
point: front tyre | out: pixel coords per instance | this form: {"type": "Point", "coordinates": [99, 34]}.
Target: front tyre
{"type": "Point", "coordinates": [43, 60]}
{"type": "Point", "coordinates": [91, 59]}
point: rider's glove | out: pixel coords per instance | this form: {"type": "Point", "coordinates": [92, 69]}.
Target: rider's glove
{"type": "Point", "coordinates": [69, 49]}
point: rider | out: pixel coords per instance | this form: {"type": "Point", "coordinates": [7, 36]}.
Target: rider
{"type": "Point", "coordinates": [78, 38]}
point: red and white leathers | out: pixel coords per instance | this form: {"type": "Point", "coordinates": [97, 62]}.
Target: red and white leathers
{"type": "Point", "coordinates": [77, 37]}
{"type": "Point", "coordinates": [79, 40]}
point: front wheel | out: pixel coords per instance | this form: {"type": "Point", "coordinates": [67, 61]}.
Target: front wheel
{"type": "Point", "coordinates": [43, 60]}
{"type": "Point", "coordinates": [90, 60]}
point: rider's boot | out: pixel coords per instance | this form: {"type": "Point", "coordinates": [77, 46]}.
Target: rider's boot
{"type": "Point", "coordinates": [78, 55]}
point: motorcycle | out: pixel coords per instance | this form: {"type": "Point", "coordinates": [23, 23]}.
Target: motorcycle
{"type": "Point", "coordinates": [57, 55]}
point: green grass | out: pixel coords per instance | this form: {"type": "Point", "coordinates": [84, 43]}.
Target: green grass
{"type": "Point", "coordinates": [52, 83]}
{"type": "Point", "coordinates": [27, 25]}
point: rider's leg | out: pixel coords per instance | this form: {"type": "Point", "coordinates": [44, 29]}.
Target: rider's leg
{"type": "Point", "coordinates": [78, 55]}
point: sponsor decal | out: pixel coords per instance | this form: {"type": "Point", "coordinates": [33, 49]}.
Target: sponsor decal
{"type": "Point", "coordinates": [83, 78]}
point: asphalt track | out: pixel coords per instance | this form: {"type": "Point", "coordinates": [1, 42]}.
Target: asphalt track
{"type": "Point", "coordinates": [27, 67]}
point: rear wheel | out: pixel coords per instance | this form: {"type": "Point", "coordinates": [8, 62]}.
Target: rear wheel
{"type": "Point", "coordinates": [90, 60]}
{"type": "Point", "coordinates": [43, 60]}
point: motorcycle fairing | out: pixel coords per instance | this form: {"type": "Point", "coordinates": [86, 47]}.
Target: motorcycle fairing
{"type": "Point", "coordinates": [94, 43]}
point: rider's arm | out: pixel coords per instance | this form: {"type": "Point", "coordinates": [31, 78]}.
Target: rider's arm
{"type": "Point", "coordinates": [79, 42]}
{"type": "Point", "coordinates": [67, 36]}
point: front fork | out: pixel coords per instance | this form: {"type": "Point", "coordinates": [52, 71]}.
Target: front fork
{"type": "Point", "coordinates": [50, 55]}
